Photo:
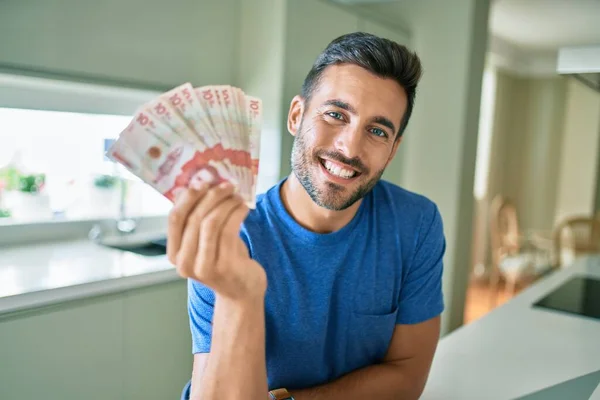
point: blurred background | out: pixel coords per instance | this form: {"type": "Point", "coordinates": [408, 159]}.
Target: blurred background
{"type": "Point", "coordinates": [504, 138]}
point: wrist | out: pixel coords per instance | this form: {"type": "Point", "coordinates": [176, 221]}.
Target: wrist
{"type": "Point", "coordinates": [240, 305]}
{"type": "Point", "coordinates": [250, 286]}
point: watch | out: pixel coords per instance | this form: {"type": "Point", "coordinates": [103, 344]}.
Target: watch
{"type": "Point", "coordinates": [281, 394]}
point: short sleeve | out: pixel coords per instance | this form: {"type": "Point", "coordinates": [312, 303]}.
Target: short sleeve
{"type": "Point", "coordinates": [201, 302]}
{"type": "Point", "coordinates": [421, 296]}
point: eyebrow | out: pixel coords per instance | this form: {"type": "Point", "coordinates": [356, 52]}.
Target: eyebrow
{"type": "Point", "coordinates": [385, 122]}
{"type": "Point", "coordinates": [345, 106]}
{"type": "Point", "coordinates": [340, 104]}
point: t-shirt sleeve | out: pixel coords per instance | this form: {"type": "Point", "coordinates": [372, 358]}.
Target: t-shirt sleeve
{"type": "Point", "coordinates": [201, 304]}
{"type": "Point", "coordinates": [421, 295]}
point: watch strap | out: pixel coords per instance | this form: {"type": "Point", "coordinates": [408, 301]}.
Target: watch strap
{"type": "Point", "coordinates": [281, 394]}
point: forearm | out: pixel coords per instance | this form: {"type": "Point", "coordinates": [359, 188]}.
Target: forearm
{"type": "Point", "coordinates": [381, 381]}
{"type": "Point", "coordinates": [236, 367]}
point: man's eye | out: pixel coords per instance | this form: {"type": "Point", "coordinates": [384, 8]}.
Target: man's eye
{"type": "Point", "coordinates": [335, 115]}
{"type": "Point", "coordinates": [378, 132]}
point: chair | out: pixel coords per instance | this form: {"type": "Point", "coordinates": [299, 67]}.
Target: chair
{"type": "Point", "coordinates": [574, 237]}
{"type": "Point", "coordinates": [515, 259]}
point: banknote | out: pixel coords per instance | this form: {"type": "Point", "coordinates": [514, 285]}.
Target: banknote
{"type": "Point", "coordinates": [208, 133]}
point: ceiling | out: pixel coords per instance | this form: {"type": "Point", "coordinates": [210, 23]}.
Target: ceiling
{"type": "Point", "coordinates": [546, 24]}
{"type": "Point", "coordinates": [543, 25]}
{"type": "Point", "coordinates": [525, 35]}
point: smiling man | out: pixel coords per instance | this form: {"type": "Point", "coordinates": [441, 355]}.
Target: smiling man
{"type": "Point", "coordinates": [332, 288]}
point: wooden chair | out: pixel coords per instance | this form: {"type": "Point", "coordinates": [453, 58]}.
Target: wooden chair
{"type": "Point", "coordinates": [515, 259]}
{"type": "Point", "coordinates": [574, 237]}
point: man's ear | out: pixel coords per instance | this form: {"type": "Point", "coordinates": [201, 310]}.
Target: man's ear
{"type": "Point", "coordinates": [295, 114]}
{"type": "Point", "coordinates": [394, 150]}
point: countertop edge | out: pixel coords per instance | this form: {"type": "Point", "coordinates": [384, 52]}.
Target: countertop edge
{"type": "Point", "coordinates": [32, 300]}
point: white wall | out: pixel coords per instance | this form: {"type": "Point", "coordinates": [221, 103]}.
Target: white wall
{"type": "Point", "coordinates": [160, 42]}
{"type": "Point", "coordinates": [541, 138]}
{"type": "Point", "coordinates": [261, 73]}
{"type": "Point", "coordinates": [528, 135]}
{"type": "Point", "coordinates": [450, 38]}
{"type": "Point", "coordinates": [578, 165]}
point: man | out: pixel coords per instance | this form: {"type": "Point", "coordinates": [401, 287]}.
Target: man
{"type": "Point", "coordinates": [332, 289]}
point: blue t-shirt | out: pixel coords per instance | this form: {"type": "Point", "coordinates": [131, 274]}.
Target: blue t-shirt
{"type": "Point", "coordinates": [334, 299]}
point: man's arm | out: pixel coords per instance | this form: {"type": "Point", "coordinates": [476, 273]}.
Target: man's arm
{"type": "Point", "coordinates": [401, 375]}
{"type": "Point", "coordinates": [235, 368]}
{"type": "Point", "coordinates": [204, 245]}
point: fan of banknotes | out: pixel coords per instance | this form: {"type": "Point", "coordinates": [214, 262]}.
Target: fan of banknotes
{"type": "Point", "coordinates": [209, 133]}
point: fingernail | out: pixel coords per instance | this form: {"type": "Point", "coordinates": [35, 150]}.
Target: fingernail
{"type": "Point", "coordinates": [224, 185]}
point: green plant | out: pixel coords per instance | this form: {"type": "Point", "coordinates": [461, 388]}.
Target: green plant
{"type": "Point", "coordinates": [32, 183]}
{"type": "Point", "coordinates": [105, 181]}
{"type": "Point", "coordinates": [10, 176]}
{"type": "Point", "coordinates": [5, 213]}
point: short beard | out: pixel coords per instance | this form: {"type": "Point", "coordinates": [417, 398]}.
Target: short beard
{"type": "Point", "coordinates": [330, 199]}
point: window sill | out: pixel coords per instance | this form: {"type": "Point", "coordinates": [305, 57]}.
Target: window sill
{"type": "Point", "coordinates": [25, 232]}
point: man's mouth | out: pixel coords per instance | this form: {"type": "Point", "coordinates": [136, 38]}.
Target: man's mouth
{"type": "Point", "coordinates": [339, 170]}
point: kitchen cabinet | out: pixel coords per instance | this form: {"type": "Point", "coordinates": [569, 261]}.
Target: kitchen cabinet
{"type": "Point", "coordinates": [130, 345]}
{"type": "Point", "coordinates": [69, 352]}
{"type": "Point", "coordinates": [157, 342]}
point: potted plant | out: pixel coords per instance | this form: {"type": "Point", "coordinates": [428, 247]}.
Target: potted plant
{"type": "Point", "coordinates": [33, 183]}
{"type": "Point", "coordinates": [31, 200]}
{"type": "Point", "coordinates": [105, 181]}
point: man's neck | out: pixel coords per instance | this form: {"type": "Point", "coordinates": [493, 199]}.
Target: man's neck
{"type": "Point", "coordinates": [308, 214]}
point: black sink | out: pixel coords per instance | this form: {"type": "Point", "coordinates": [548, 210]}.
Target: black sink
{"type": "Point", "coordinates": [152, 248]}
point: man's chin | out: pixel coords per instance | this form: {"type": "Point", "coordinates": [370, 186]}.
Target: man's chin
{"type": "Point", "coordinates": [327, 194]}
{"type": "Point", "coordinates": [333, 187]}
{"type": "Point", "coordinates": [332, 199]}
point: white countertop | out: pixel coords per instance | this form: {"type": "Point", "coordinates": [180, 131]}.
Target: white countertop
{"type": "Point", "coordinates": [516, 349]}
{"type": "Point", "coordinates": [41, 274]}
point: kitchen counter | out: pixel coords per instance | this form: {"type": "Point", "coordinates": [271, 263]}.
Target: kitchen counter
{"type": "Point", "coordinates": [518, 350]}
{"type": "Point", "coordinates": [36, 275]}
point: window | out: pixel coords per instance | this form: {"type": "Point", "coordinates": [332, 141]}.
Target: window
{"type": "Point", "coordinates": [55, 133]}
{"type": "Point", "coordinates": [53, 136]}
{"type": "Point", "coordinates": [484, 143]}
{"type": "Point", "coordinates": [66, 151]}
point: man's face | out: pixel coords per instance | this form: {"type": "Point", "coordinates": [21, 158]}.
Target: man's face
{"type": "Point", "coordinates": [345, 136]}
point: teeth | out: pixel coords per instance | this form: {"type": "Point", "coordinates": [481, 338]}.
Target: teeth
{"type": "Point", "coordinates": [338, 171]}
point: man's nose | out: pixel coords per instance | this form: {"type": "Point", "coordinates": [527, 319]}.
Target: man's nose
{"type": "Point", "coordinates": [349, 142]}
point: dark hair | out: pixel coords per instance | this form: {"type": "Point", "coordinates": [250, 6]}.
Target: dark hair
{"type": "Point", "coordinates": [382, 57]}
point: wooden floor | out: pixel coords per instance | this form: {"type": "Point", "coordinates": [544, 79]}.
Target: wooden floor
{"type": "Point", "coordinates": [478, 301]}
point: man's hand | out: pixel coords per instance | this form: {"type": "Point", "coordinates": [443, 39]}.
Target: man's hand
{"type": "Point", "coordinates": [204, 244]}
